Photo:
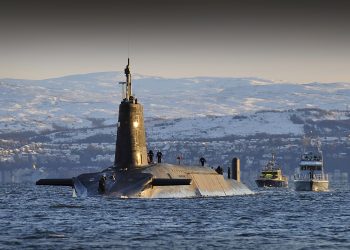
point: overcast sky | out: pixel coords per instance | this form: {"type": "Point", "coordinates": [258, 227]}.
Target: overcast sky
{"type": "Point", "coordinates": [298, 41]}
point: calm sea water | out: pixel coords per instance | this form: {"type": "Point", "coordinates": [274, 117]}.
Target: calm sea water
{"type": "Point", "coordinates": [34, 217]}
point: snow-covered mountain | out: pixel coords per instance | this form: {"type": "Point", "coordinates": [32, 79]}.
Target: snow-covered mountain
{"type": "Point", "coordinates": [91, 100]}
{"type": "Point", "coordinates": [67, 125]}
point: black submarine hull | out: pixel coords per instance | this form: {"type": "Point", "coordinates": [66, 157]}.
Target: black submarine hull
{"type": "Point", "coordinates": [153, 181]}
{"type": "Point", "coordinates": [159, 181]}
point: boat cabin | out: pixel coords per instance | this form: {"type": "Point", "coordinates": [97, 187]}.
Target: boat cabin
{"type": "Point", "coordinates": [311, 162]}
{"type": "Point", "coordinates": [271, 174]}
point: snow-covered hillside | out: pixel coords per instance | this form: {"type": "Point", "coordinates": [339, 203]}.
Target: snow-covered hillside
{"type": "Point", "coordinates": [223, 126]}
{"type": "Point", "coordinates": [91, 100]}
{"type": "Point", "coordinates": [67, 126]}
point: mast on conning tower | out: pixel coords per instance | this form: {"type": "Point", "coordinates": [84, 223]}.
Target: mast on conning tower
{"type": "Point", "coordinates": [128, 92]}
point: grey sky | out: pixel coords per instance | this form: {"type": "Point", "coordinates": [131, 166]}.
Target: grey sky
{"type": "Point", "coordinates": [298, 41]}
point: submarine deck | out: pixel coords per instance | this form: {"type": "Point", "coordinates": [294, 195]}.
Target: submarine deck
{"type": "Point", "coordinates": [161, 181]}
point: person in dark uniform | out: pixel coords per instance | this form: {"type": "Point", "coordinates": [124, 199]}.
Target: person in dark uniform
{"type": "Point", "coordinates": [179, 157]}
{"type": "Point", "coordinates": [150, 156]}
{"type": "Point", "coordinates": [102, 184]}
{"type": "Point", "coordinates": [202, 161]}
{"type": "Point", "coordinates": [159, 156]}
{"type": "Point", "coordinates": [219, 170]}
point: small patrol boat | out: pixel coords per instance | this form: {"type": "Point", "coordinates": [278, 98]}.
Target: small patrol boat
{"type": "Point", "coordinates": [311, 176]}
{"type": "Point", "coordinates": [271, 175]}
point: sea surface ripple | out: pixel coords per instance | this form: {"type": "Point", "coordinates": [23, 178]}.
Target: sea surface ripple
{"type": "Point", "coordinates": [36, 217]}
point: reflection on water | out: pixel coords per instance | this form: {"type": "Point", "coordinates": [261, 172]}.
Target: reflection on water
{"type": "Point", "coordinates": [49, 218]}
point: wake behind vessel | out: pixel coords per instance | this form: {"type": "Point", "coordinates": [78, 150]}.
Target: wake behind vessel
{"type": "Point", "coordinates": [311, 176]}
{"type": "Point", "coordinates": [133, 176]}
{"type": "Point", "coordinates": [271, 175]}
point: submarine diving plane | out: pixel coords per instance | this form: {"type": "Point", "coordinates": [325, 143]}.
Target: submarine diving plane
{"type": "Point", "coordinates": [132, 176]}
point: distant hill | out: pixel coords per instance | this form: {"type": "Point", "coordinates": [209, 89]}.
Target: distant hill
{"type": "Point", "coordinates": [67, 125]}
{"type": "Point", "coordinates": [79, 101]}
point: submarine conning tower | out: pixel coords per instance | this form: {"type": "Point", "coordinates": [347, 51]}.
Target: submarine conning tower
{"type": "Point", "coordinates": [131, 150]}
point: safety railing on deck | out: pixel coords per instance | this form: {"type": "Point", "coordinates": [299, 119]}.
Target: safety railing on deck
{"type": "Point", "coordinates": [307, 177]}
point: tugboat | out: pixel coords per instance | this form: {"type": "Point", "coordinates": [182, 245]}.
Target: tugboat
{"type": "Point", "coordinates": [271, 176]}
{"type": "Point", "coordinates": [311, 176]}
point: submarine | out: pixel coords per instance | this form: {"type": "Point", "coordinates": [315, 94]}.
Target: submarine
{"type": "Point", "coordinates": [133, 176]}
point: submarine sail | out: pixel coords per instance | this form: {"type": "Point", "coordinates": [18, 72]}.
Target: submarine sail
{"type": "Point", "coordinates": [131, 150]}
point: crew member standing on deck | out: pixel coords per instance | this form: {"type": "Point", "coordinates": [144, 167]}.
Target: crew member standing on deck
{"type": "Point", "coordinates": [219, 170]}
{"type": "Point", "coordinates": [102, 184]}
{"type": "Point", "coordinates": [159, 156]}
{"type": "Point", "coordinates": [150, 156]}
{"type": "Point", "coordinates": [202, 161]}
